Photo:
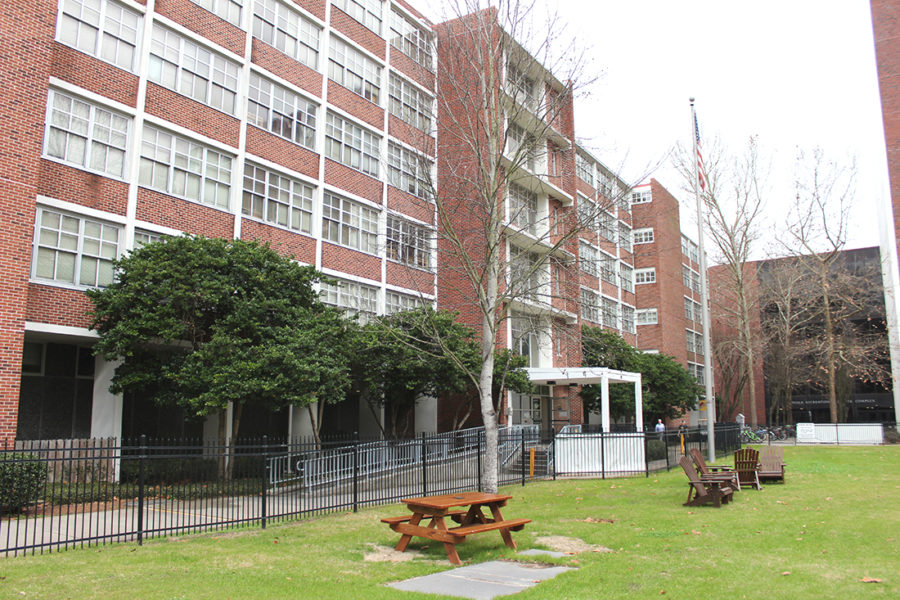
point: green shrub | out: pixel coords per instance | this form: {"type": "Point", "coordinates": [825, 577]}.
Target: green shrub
{"type": "Point", "coordinates": [22, 477]}
{"type": "Point", "coordinates": [656, 450]}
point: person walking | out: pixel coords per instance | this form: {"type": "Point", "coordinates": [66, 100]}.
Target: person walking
{"type": "Point", "coordinates": [660, 428]}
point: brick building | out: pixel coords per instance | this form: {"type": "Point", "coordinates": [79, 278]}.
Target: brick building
{"type": "Point", "coordinates": [667, 282]}
{"type": "Point", "coordinates": [886, 24]}
{"type": "Point", "coordinates": [308, 124]}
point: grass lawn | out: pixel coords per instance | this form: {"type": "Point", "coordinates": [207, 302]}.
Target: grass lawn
{"type": "Point", "coordinates": [835, 522]}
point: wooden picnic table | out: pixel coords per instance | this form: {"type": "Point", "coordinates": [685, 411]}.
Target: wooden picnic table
{"type": "Point", "coordinates": [470, 521]}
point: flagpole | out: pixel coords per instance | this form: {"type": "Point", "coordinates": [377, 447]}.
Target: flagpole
{"type": "Point", "coordinates": [704, 294]}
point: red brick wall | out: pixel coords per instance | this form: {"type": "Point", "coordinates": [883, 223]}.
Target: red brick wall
{"type": "Point", "coordinates": [183, 215]}
{"type": "Point", "coordinates": [57, 306]}
{"type": "Point", "coordinates": [94, 75]}
{"type": "Point", "coordinates": [408, 277]}
{"type": "Point", "coordinates": [205, 23]}
{"type": "Point", "coordinates": [80, 187]}
{"type": "Point", "coordinates": [359, 33]}
{"type": "Point", "coordinates": [28, 27]}
{"type": "Point", "coordinates": [192, 115]}
{"type": "Point", "coordinates": [350, 261]}
{"type": "Point", "coordinates": [288, 243]}
{"type": "Point", "coordinates": [356, 105]}
{"type": "Point", "coordinates": [279, 150]}
{"type": "Point", "coordinates": [355, 182]}
{"type": "Point", "coordinates": [287, 68]}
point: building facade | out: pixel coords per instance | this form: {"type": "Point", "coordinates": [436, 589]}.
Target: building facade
{"type": "Point", "coordinates": [667, 282]}
{"type": "Point", "coordinates": [311, 125]}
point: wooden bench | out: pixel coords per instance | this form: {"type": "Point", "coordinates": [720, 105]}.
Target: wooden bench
{"type": "Point", "coordinates": [456, 515]}
{"type": "Point", "coordinates": [771, 463]}
{"type": "Point", "coordinates": [510, 524]}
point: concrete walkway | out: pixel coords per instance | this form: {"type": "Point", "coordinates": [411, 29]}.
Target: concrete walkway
{"type": "Point", "coordinates": [484, 581]}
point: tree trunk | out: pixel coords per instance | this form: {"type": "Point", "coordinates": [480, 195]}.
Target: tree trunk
{"type": "Point", "coordinates": [829, 345]}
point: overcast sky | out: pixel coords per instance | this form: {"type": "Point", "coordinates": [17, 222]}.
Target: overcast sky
{"type": "Point", "coordinates": [795, 73]}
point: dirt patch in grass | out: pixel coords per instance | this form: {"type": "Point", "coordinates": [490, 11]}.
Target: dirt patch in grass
{"type": "Point", "coordinates": [376, 553]}
{"type": "Point", "coordinates": [560, 543]}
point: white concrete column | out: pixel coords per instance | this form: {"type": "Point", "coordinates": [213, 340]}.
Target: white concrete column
{"type": "Point", "coordinates": [604, 401]}
{"type": "Point", "coordinates": [638, 406]}
{"type": "Point", "coordinates": [106, 410]}
{"type": "Point", "coordinates": [301, 426]}
{"type": "Point", "coordinates": [426, 415]}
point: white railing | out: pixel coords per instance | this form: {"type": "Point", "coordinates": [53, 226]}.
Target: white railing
{"type": "Point", "coordinates": [840, 433]}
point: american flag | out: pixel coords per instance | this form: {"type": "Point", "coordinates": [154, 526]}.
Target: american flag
{"type": "Point", "coordinates": [701, 171]}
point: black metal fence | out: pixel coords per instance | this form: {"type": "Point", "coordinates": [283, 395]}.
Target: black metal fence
{"type": "Point", "coordinates": [75, 493]}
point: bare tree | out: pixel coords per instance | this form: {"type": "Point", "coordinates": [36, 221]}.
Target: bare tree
{"type": "Point", "coordinates": [733, 203]}
{"type": "Point", "coordinates": [843, 295]}
{"type": "Point", "coordinates": [507, 223]}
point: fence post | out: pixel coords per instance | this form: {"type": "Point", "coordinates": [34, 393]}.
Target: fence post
{"type": "Point", "coordinates": [666, 444]}
{"type": "Point", "coordinates": [553, 450]}
{"type": "Point", "coordinates": [602, 454]}
{"type": "Point", "coordinates": [646, 456]}
{"type": "Point", "coordinates": [478, 456]}
{"type": "Point", "coordinates": [522, 452]}
{"type": "Point", "coordinates": [356, 476]}
{"type": "Point", "coordinates": [140, 520]}
{"type": "Point", "coordinates": [265, 477]}
{"type": "Point", "coordinates": [424, 468]}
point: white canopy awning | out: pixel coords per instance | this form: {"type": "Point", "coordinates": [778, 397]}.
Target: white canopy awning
{"type": "Point", "coordinates": [593, 375]}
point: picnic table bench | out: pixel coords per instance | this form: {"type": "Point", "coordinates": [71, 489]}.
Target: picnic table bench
{"type": "Point", "coordinates": [472, 520]}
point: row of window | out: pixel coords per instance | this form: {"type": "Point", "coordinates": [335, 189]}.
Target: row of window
{"type": "Point", "coordinates": [95, 138]}
{"type": "Point", "coordinates": [690, 249]}
{"type": "Point", "coordinates": [694, 342]}
{"type": "Point", "coordinates": [111, 31]}
{"type": "Point", "coordinates": [361, 299]}
{"type": "Point", "coordinates": [698, 371]}
{"type": "Point", "coordinates": [692, 310]}
{"type": "Point", "coordinates": [599, 264]}
{"type": "Point", "coordinates": [690, 278]}
{"type": "Point", "coordinates": [593, 218]}
{"type": "Point", "coordinates": [606, 311]}
{"type": "Point", "coordinates": [607, 185]}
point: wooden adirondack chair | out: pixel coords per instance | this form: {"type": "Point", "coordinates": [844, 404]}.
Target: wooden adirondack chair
{"type": "Point", "coordinates": [771, 463]}
{"type": "Point", "coordinates": [716, 472]}
{"type": "Point", "coordinates": [746, 463]}
{"type": "Point", "coordinates": [703, 492]}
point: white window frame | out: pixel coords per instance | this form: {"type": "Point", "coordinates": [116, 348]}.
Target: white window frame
{"type": "Point", "coordinates": [591, 306]}
{"type": "Point", "coordinates": [627, 319]}
{"type": "Point", "coordinates": [645, 276]}
{"type": "Point", "coordinates": [641, 196]}
{"type": "Point", "coordinates": [584, 168]}
{"type": "Point", "coordinates": [523, 208]}
{"type": "Point", "coordinates": [352, 297]}
{"type": "Point", "coordinates": [227, 10]}
{"type": "Point", "coordinates": [277, 199]}
{"type": "Point", "coordinates": [607, 226]}
{"type": "Point", "coordinates": [101, 31]}
{"type": "Point", "coordinates": [282, 111]}
{"type": "Point", "coordinates": [102, 134]}
{"type": "Point", "coordinates": [607, 264]}
{"type": "Point", "coordinates": [408, 243]}
{"type": "Point", "coordinates": [413, 41]}
{"type": "Point", "coordinates": [349, 223]}
{"type": "Point", "coordinates": [626, 237]}
{"type": "Point", "coordinates": [643, 235]}
{"type": "Point", "coordinates": [287, 30]}
{"type": "Point", "coordinates": [589, 257]}
{"type": "Point", "coordinates": [182, 65]}
{"type": "Point", "coordinates": [410, 104]}
{"type": "Point", "coordinates": [395, 302]}
{"type": "Point", "coordinates": [367, 12]}
{"type": "Point", "coordinates": [351, 68]}
{"type": "Point", "coordinates": [646, 316]}
{"type": "Point", "coordinates": [352, 145]}
{"type": "Point", "coordinates": [626, 277]}
{"type": "Point", "coordinates": [610, 310]}
{"type": "Point", "coordinates": [185, 168]}
{"type": "Point", "coordinates": [90, 244]}
{"type": "Point", "coordinates": [409, 171]}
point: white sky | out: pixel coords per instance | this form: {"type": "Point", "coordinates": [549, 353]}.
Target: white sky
{"type": "Point", "coordinates": [796, 73]}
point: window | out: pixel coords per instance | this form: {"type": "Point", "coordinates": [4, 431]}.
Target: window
{"type": "Point", "coordinates": [589, 259]}
{"type": "Point", "coordinates": [85, 135]}
{"type": "Point", "coordinates": [277, 109]}
{"type": "Point", "coordinates": [354, 70]}
{"type": "Point", "coordinates": [277, 199]}
{"type": "Point", "coordinates": [395, 302]}
{"type": "Point", "coordinates": [367, 12]}
{"type": "Point", "coordinates": [408, 171]}
{"type": "Point", "coordinates": [647, 316]}
{"type": "Point", "coordinates": [587, 212]}
{"type": "Point", "coordinates": [229, 10]}
{"type": "Point", "coordinates": [691, 346]}
{"type": "Point", "coordinates": [70, 249]}
{"type": "Point", "coordinates": [102, 28]}
{"type": "Point", "coordinates": [685, 246]}
{"type": "Point", "coordinates": [625, 239]}
{"type": "Point", "coordinates": [408, 243]}
{"type": "Point", "coordinates": [526, 338]}
{"type": "Point", "coordinates": [521, 147]}
{"type": "Point", "coordinates": [409, 104]}
{"type": "Point", "coordinates": [184, 168]}
{"type": "Point", "coordinates": [183, 66]}
{"type": "Point", "coordinates": [351, 145]}
{"type": "Point", "coordinates": [695, 281]}
{"type": "Point", "coordinates": [627, 319]}
{"type": "Point", "coordinates": [643, 236]}
{"type": "Point", "coordinates": [143, 237]}
{"type": "Point", "coordinates": [699, 372]}
{"type": "Point", "coordinates": [698, 343]}
{"type": "Point", "coordinates": [410, 39]}
{"type": "Point", "coordinates": [608, 226]}
{"type": "Point", "coordinates": [349, 223]}
{"type": "Point", "coordinates": [686, 276]}
{"type": "Point", "coordinates": [608, 268]}
{"type": "Point", "coordinates": [610, 313]}
{"type": "Point", "coordinates": [523, 208]}
{"type": "Point", "coordinates": [688, 309]}
{"type": "Point", "coordinates": [590, 306]}
{"type": "Point", "coordinates": [641, 196]}
{"type": "Point", "coordinates": [521, 87]}
{"type": "Point", "coordinates": [584, 168]}
{"type": "Point", "coordinates": [285, 29]}
{"type": "Point", "coordinates": [626, 277]}
{"type": "Point", "coordinates": [605, 185]}
{"type": "Point", "coordinates": [355, 298]}
{"type": "Point", "coordinates": [642, 276]}
{"type": "Point", "coordinates": [527, 276]}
